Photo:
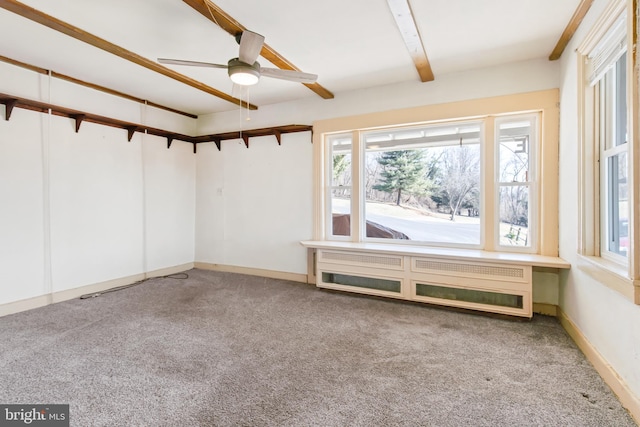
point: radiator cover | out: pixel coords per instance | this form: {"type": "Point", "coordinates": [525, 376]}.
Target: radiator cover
{"type": "Point", "coordinates": [477, 285]}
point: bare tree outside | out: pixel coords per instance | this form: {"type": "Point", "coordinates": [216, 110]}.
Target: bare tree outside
{"type": "Point", "coordinates": [459, 179]}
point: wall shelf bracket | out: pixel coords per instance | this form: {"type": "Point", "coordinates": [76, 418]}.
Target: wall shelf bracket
{"type": "Point", "coordinates": [78, 118]}
{"type": "Point", "coordinates": [9, 104]}
{"type": "Point", "coordinates": [130, 131]}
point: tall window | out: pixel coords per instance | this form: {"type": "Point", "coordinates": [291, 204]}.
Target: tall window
{"type": "Point", "coordinates": [605, 135]}
{"type": "Point", "coordinates": [614, 212]}
{"type": "Point", "coordinates": [516, 176]}
{"type": "Point", "coordinates": [339, 197]}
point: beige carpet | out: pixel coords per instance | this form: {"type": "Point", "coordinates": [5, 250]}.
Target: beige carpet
{"type": "Point", "coordinates": [219, 349]}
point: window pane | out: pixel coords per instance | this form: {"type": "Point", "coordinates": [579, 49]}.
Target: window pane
{"type": "Point", "coordinates": [617, 205]}
{"type": "Point", "coordinates": [341, 154]}
{"type": "Point", "coordinates": [341, 185]}
{"type": "Point", "coordinates": [613, 94]}
{"type": "Point", "coordinates": [514, 216]}
{"type": "Point", "coordinates": [341, 211]}
{"type": "Point", "coordinates": [514, 151]}
{"type": "Point", "coordinates": [621, 100]}
{"type": "Point", "coordinates": [424, 184]}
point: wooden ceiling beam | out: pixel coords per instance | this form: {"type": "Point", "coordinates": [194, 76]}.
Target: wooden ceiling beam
{"type": "Point", "coordinates": [95, 41]}
{"type": "Point", "coordinates": [571, 28]}
{"type": "Point", "coordinates": [402, 14]}
{"type": "Point", "coordinates": [92, 86]}
{"type": "Point", "coordinates": [225, 21]}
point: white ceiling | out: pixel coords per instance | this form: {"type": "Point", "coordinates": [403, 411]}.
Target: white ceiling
{"type": "Point", "coordinates": [350, 44]}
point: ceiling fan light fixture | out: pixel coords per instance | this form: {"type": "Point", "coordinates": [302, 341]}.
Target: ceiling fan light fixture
{"type": "Point", "coordinates": [244, 74]}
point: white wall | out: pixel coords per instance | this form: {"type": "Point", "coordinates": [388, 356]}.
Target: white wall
{"type": "Point", "coordinates": [607, 319]}
{"type": "Point", "coordinates": [170, 209]}
{"type": "Point", "coordinates": [96, 204]}
{"type": "Point", "coordinates": [88, 207]}
{"type": "Point", "coordinates": [21, 207]}
{"type": "Point", "coordinates": [254, 205]}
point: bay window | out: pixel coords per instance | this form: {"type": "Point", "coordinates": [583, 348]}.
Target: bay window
{"type": "Point", "coordinates": [462, 183]}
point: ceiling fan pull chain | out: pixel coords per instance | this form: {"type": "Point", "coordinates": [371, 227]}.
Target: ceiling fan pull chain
{"type": "Point", "coordinates": [248, 112]}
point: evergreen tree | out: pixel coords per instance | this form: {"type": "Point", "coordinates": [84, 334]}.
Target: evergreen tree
{"type": "Point", "coordinates": [403, 171]}
{"type": "Point", "coordinates": [340, 165]}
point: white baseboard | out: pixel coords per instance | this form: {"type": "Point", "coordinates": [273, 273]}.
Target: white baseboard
{"type": "Point", "coordinates": [272, 274]}
{"type": "Point", "coordinates": [170, 270]}
{"type": "Point", "coordinates": [42, 300]}
{"type": "Point", "coordinates": [25, 304]}
{"type": "Point", "coordinates": [628, 399]}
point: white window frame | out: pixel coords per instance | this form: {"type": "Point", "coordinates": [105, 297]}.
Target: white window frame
{"type": "Point", "coordinates": [532, 182]}
{"type": "Point", "coordinates": [608, 133]}
{"type": "Point", "coordinates": [362, 154]}
{"type": "Point", "coordinates": [329, 186]}
{"type": "Point", "coordinates": [612, 270]}
{"type": "Point", "coordinates": [489, 184]}
{"type": "Point", "coordinates": [543, 102]}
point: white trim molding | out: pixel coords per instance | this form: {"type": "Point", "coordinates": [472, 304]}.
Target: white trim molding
{"type": "Point", "coordinates": [271, 274]}
{"type": "Point", "coordinates": [629, 400]}
{"type": "Point", "coordinates": [46, 299]}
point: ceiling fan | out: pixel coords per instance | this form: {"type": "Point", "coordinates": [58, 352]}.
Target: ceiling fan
{"type": "Point", "coordinates": [245, 70]}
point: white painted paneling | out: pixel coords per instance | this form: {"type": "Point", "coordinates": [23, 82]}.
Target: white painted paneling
{"type": "Point", "coordinates": [95, 190]}
{"type": "Point", "coordinates": [254, 211]}
{"type": "Point", "coordinates": [96, 204]}
{"type": "Point", "coordinates": [170, 202]}
{"type": "Point", "coordinates": [607, 319]}
{"type": "Point", "coordinates": [21, 206]}
{"type": "Point", "coordinates": [210, 203]}
{"type": "Point", "coordinates": [71, 95]}
{"type": "Point", "coordinates": [22, 83]}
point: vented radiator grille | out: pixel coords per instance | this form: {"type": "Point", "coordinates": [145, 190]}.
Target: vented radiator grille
{"type": "Point", "coordinates": [493, 272]}
{"type": "Point", "coordinates": [382, 261]}
{"type": "Point", "coordinates": [378, 284]}
{"type": "Point", "coordinates": [475, 296]}
{"type": "Point", "coordinates": [485, 270]}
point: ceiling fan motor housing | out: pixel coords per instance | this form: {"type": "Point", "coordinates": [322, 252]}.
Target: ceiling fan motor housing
{"type": "Point", "coordinates": [243, 73]}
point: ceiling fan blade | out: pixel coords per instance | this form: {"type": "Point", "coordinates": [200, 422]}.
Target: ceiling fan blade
{"type": "Point", "coordinates": [191, 63]}
{"type": "Point", "coordinates": [250, 46]}
{"type": "Point", "coordinates": [294, 76]}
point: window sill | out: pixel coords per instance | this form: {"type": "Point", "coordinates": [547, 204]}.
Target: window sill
{"type": "Point", "coordinates": [439, 252]}
{"type": "Point", "coordinates": [611, 275]}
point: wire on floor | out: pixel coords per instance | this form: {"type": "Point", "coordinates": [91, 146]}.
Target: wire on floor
{"type": "Point", "coordinates": [178, 276]}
